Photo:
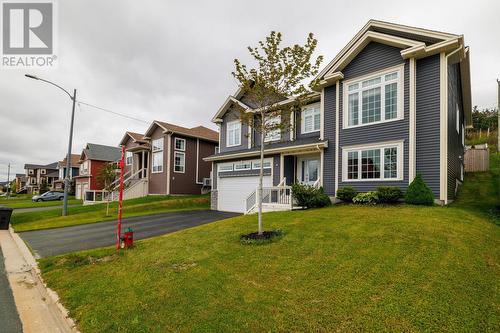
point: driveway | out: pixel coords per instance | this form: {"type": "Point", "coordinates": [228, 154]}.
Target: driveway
{"type": "Point", "coordinates": [9, 318]}
{"type": "Point", "coordinates": [50, 242]}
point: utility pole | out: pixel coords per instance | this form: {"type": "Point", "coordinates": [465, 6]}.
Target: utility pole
{"type": "Point", "coordinates": [68, 158]}
{"type": "Point", "coordinates": [498, 115]}
{"type": "Point", "coordinates": [8, 182]}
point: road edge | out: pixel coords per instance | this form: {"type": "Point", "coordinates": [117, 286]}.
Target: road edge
{"type": "Point", "coordinates": [63, 313]}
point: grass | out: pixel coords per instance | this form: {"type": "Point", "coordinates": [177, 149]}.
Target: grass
{"type": "Point", "coordinates": [26, 202]}
{"type": "Point", "coordinates": [97, 213]}
{"type": "Point", "coordinates": [344, 268]}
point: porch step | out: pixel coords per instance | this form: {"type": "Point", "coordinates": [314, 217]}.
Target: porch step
{"type": "Point", "coordinates": [267, 207]}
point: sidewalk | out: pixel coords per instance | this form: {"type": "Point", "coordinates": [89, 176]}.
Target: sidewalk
{"type": "Point", "coordinates": [37, 306]}
{"type": "Point", "coordinates": [8, 312]}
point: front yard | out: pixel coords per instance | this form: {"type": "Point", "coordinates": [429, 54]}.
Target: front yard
{"type": "Point", "coordinates": [345, 268]}
{"type": "Point", "coordinates": [97, 213]}
{"type": "Point", "coordinates": [24, 201]}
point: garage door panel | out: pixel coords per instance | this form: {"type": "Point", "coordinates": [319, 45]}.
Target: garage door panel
{"type": "Point", "coordinates": [233, 191]}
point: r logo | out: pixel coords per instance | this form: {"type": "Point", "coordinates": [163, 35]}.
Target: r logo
{"type": "Point", "coordinates": [27, 28]}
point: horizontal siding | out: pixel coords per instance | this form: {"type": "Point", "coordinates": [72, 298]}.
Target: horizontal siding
{"type": "Point", "coordinates": [427, 121]}
{"type": "Point", "coordinates": [329, 133]}
{"type": "Point", "coordinates": [230, 116]}
{"type": "Point", "coordinates": [376, 57]}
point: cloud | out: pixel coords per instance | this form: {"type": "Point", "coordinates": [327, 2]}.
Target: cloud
{"type": "Point", "coordinates": [171, 61]}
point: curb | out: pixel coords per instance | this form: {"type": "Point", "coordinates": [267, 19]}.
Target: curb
{"type": "Point", "coordinates": [37, 276]}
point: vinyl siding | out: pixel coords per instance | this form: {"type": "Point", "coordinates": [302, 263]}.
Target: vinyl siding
{"type": "Point", "coordinates": [232, 115]}
{"type": "Point", "coordinates": [329, 133]}
{"type": "Point", "coordinates": [427, 121]}
{"type": "Point", "coordinates": [375, 57]}
{"type": "Point", "coordinates": [455, 147]}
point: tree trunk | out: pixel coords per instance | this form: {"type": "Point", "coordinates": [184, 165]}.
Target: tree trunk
{"type": "Point", "coordinates": [261, 176]}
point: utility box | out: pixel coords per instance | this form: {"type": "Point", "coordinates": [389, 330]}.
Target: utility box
{"type": "Point", "coordinates": [5, 214]}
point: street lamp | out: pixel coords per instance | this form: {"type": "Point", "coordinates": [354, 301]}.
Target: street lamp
{"type": "Point", "coordinates": [68, 157]}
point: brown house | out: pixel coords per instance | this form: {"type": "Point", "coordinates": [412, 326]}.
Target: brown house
{"type": "Point", "coordinates": [168, 159]}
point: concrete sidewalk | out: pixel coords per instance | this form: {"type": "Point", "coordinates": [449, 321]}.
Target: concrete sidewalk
{"type": "Point", "coordinates": [9, 318]}
{"type": "Point", "coordinates": [38, 307]}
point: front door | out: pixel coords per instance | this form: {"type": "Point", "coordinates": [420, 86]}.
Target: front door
{"type": "Point", "coordinates": [308, 170]}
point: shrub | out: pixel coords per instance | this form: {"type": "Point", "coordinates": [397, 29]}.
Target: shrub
{"type": "Point", "coordinates": [419, 193]}
{"type": "Point", "coordinates": [366, 198]}
{"type": "Point", "coordinates": [309, 196]}
{"type": "Point", "coordinates": [346, 194]}
{"type": "Point", "coordinates": [389, 194]}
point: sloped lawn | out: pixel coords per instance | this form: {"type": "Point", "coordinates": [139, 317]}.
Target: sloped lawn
{"type": "Point", "coordinates": [345, 268]}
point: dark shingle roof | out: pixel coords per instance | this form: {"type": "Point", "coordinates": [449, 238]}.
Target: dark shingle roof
{"type": "Point", "coordinates": [39, 166]}
{"type": "Point", "coordinates": [102, 153]}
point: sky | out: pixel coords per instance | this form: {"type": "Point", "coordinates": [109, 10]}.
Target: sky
{"type": "Point", "coordinates": [172, 61]}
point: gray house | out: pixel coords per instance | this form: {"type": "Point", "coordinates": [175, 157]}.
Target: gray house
{"type": "Point", "coordinates": [393, 103]}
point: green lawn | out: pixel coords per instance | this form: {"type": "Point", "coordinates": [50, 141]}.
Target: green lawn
{"type": "Point", "coordinates": [26, 202]}
{"type": "Point", "coordinates": [340, 269]}
{"type": "Point", "coordinates": [97, 213]}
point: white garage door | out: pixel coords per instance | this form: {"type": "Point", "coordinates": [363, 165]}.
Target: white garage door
{"type": "Point", "coordinates": [233, 191]}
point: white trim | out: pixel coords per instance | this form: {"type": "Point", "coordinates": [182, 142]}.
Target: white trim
{"type": "Point", "coordinates": [246, 165]}
{"type": "Point", "coordinates": [198, 161]}
{"type": "Point", "coordinates": [337, 126]}
{"type": "Point", "coordinates": [227, 131]}
{"type": "Point", "coordinates": [292, 126]}
{"type": "Point", "coordinates": [183, 165]}
{"type": "Point", "coordinates": [282, 166]}
{"type": "Point", "coordinates": [250, 136]}
{"type": "Point", "coordinates": [127, 157]}
{"type": "Point", "coordinates": [321, 166]}
{"type": "Point", "coordinates": [169, 160]}
{"type": "Point", "coordinates": [321, 117]}
{"type": "Point", "coordinates": [443, 133]}
{"type": "Point", "coordinates": [313, 106]}
{"type": "Point", "coordinates": [412, 158]}
{"type": "Point", "coordinates": [175, 144]}
{"type": "Point", "coordinates": [399, 144]}
{"type": "Point", "coordinates": [381, 73]}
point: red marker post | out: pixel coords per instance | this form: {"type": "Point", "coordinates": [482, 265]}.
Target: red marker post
{"type": "Point", "coordinates": [120, 199]}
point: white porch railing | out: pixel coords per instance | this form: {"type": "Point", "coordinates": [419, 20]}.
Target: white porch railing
{"type": "Point", "coordinates": [273, 196]}
{"type": "Point", "coordinates": [317, 183]}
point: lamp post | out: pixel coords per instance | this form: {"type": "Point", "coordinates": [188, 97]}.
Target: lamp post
{"type": "Point", "coordinates": [68, 157]}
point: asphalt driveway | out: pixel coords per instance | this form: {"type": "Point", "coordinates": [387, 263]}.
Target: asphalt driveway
{"type": "Point", "coordinates": [50, 242]}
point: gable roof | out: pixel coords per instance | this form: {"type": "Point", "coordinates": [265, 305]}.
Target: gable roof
{"type": "Point", "coordinates": [136, 137]}
{"type": "Point", "coordinates": [50, 166]}
{"type": "Point", "coordinates": [200, 132]}
{"type": "Point", "coordinates": [101, 153]}
{"type": "Point", "coordinates": [414, 42]}
{"type": "Point", "coordinates": [75, 159]}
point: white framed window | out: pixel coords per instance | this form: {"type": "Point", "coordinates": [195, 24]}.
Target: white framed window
{"type": "Point", "coordinates": [310, 119]}
{"type": "Point", "coordinates": [374, 99]}
{"type": "Point", "coordinates": [30, 171]}
{"type": "Point", "coordinates": [463, 135]}
{"type": "Point", "coordinates": [43, 171]}
{"type": "Point", "coordinates": [233, 133]}
{"type": "Point", "coordinates": [179, 162]}
{"type": "Point", "coordinates": [383, 161]}
{"type": "Point", "coordinates": [458, 118]}
{"type": "Point", "coordinates": [180, 144]}
{"type": "Point", "coordinates": [128, 158]}
{"type": "Point", "coordinates": [84, 168]}
{"type": "Point", "coordinates": [243, 165]}
{"type": "Point", "coordinates": [267, 164]}
{"type": "Point", "coordinates": [225, 167]}
{"type": "Point", "coordinates": [275, 134]}
{"type": "Point", "coordinates": [157, 148]}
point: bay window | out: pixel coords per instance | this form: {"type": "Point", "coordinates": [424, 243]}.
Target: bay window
{"type": "Point", "coordinates": [374, 99]}
{"type": "Point", "coordinates": [157, 149]}
{"type": "Point", "coordinates": [233, 133]}
{"type": "Point", "coordinates": [310, 119]}
{"type": "Point", "coordinates": [376, 162]}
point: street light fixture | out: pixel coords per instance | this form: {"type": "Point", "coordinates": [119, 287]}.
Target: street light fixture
{"type": "Point", "coordinates": [68, 157]}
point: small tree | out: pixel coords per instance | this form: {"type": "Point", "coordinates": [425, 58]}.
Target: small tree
{"type": "Point", "coordinates": [44, 187]}
{"type": "Point", "coordinates": [275, 87]}
{"type": "Point", "coordinates": [106, 177]}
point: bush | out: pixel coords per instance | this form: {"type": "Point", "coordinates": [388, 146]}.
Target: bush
{"type": "Point", "coordinates": [308, 196]}
{"type": "Point", "coordinates": [418, 193]}
{"type": "Point", "coordinates": [389, 194]}
{"type": "Point", "coordinates": [366, 198]}
{"type": "Point", "coordinates": [346, 194]}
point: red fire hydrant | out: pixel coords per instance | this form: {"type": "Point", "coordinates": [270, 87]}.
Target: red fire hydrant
{"type": "Point", "coordinates": [128, 239]}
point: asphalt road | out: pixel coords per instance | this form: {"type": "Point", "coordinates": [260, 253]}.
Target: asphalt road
{"type": "Point", "coordinates": [50, 242]}
{"type": "Point", "coordinates": [9, 318]}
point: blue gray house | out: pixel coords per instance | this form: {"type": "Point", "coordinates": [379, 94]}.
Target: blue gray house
{"type": "Point", "coordinates": [393, 103]}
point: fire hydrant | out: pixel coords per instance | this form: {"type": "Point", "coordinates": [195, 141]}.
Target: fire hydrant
{"type": "Point", "coordinates": [128, 239]}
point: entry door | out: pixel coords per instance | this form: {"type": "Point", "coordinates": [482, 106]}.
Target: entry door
{"type": "Point", "coordinates": [85, 187]}
{"type": "Point", "coordinates": [308, 170]}
{"type": "Point", "coordinates": [78, 192]}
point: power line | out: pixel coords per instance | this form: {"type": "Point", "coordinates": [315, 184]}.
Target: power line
{"type": "Point", "coordinates": [112, 112]}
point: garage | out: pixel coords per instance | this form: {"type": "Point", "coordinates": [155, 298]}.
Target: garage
{"type": "Point", "coordinates": [233, 191]}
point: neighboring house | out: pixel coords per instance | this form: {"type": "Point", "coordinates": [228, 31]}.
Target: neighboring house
{"type": "Point", "coordinates": [21, 180]}
{"type": "Point", "coordinates": [393, 103]}
{"type": "Point", "coordinates": [61, 166]}
{"type": "Point", "coordinates": [176, 156]}
{"type": "Point", "coordinates": [92, 159]}
{"type": "Point", "coordinates": [4, 187]}
{"type": "Point", "coordinates": [36, 174]}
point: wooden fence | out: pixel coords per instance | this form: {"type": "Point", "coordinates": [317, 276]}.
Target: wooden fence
{"type": "Point", "coordinates": [477, 159]}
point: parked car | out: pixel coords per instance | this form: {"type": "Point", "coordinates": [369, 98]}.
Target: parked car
{"type": "Point", "coordinates": [48, 196]}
